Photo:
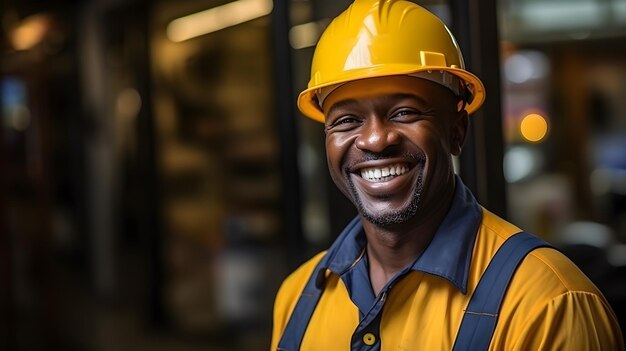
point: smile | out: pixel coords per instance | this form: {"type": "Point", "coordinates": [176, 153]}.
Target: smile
{"type": "Point", "coordinates": [384, 174]}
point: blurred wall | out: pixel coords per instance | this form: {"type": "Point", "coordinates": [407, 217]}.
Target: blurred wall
{"type": "Point", "coordinates": [158, 186]}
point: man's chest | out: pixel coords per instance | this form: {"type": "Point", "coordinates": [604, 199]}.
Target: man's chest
{"type": "Point", "coordinates": [418, 312]}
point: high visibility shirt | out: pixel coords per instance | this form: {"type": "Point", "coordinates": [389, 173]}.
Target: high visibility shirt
{"type": "Point", "coordinates": [549, 305]}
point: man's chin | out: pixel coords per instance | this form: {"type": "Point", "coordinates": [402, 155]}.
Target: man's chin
{"type": "Point", "coordinates": [390, 218]}
{"type": "Point", "coordinates": [383, 214]}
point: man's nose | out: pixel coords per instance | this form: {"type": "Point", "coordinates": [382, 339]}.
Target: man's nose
{"type": "Point", "coordinates": [377, 135]}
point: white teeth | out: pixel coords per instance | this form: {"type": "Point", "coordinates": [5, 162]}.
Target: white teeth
{"type": "Point", "coordinates": [383, 173]}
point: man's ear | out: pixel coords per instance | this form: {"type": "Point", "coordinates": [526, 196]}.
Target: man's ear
{"type": "Point", "coordinates": [458, 132]}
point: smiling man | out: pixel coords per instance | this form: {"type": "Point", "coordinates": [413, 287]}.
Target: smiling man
{"type": "Point", "coordinates": [423, 266]}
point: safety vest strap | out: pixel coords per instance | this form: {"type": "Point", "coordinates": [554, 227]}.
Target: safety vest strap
{"type": "Point", "coordinates": [301, 315]}
{"type": "Point", "coordinates": [299, 320]}
{"type": "Point", "coordinates": [481, 315]}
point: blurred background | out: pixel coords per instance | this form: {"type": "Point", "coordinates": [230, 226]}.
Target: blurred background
{"type": "Point", "coordinates": [158, 183]}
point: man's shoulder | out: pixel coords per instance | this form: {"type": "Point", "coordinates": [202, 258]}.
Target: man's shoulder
{"type": "Point", "coordinates": [289, 293]}
{"type": "Point", "coordinates": [547, 297]}
{"type": "Point", "coordinates": [547, 274]}
{"type": "Point", "coordinates": [547, 267]}
{"type": "Point", "coordinates": [546, 292]}
{"type": "Point", "coordinates": [293, 285]}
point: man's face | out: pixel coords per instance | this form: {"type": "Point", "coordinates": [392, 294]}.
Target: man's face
{"type": "Point", "coordinates": [389, 143]}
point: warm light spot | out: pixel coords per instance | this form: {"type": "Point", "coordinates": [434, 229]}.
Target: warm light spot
{"type": "Point", "coordinates": [214, 19]}
{"type": "Point", "coordinates": [128, 103]}
{"type": "Point", "coordinates": [534, 127]}
{"type": "Point", "coordinates": [30, 32]}
{"type": "Point", "coordinates": [304, 35]}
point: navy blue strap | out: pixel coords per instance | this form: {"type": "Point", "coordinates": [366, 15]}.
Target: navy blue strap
{"type": "Point", "coordinates": [301, 315]}
{"type": "Point", "coordinates": [481, 315]}
{"type": "Point", "coordinates": [299, 319]}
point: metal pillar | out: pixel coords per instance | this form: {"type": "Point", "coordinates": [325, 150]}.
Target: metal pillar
{"type": "Point", "coordinates": [475, 27]}
{"type": "Point", "coordinates": [288, 131]}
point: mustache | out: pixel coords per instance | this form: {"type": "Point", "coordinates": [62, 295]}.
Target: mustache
{"type": "Point", "coordinates": [418, 158]}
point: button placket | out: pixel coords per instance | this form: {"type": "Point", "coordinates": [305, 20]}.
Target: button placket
{"type": "Point", "coordinates": [366, 336]}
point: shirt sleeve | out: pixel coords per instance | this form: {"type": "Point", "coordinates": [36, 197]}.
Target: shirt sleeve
{"type": "Point", "coordinates": [572, 321]}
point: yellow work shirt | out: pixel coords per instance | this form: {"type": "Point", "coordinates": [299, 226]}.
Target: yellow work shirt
{"type": "Point", "coordinates": [549, 305]}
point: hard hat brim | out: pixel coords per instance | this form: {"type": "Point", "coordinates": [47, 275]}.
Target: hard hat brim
{"type": "Point", "coordinates": [309, 106]}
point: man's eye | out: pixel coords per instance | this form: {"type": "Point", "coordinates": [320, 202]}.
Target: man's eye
{"type": "Point", "coordinates": [344, 122]}
{"type": "Point", "coordinates": [407, 115]}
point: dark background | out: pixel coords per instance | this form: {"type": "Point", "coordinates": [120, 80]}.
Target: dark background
{"type": "Point", "coordinates": [154, 193]}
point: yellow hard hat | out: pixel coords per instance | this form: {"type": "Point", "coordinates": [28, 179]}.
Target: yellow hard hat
{"type": "Point", "coordinates": [376, 38]}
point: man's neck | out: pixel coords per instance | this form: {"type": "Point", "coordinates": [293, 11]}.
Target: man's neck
{"type": "Point", "coordinates": [390, 249]}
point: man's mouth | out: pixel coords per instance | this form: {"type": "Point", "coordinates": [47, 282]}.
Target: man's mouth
{"type": "Point", "coordinates": [384, 174]}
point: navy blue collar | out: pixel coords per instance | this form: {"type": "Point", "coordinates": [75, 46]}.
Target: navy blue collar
{"type": "Point", "coordinates": [448, 255]}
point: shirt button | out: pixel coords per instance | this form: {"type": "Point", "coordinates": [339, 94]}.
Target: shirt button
{"type": "Point", "coordinates": [369, 339]}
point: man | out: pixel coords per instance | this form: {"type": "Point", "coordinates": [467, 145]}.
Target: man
{"type": "Point", "coordinates": [389, 84]}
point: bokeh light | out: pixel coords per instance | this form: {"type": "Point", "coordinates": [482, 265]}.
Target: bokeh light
{"type": "Point", "coordinates": [534, 127]}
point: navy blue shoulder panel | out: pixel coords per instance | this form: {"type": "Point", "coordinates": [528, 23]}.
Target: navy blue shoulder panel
{"type": "Point", "coordinates": [481, 315]}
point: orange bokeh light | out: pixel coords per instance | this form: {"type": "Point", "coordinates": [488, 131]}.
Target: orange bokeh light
{"type": "Point", "coordinates": [534, 127]}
